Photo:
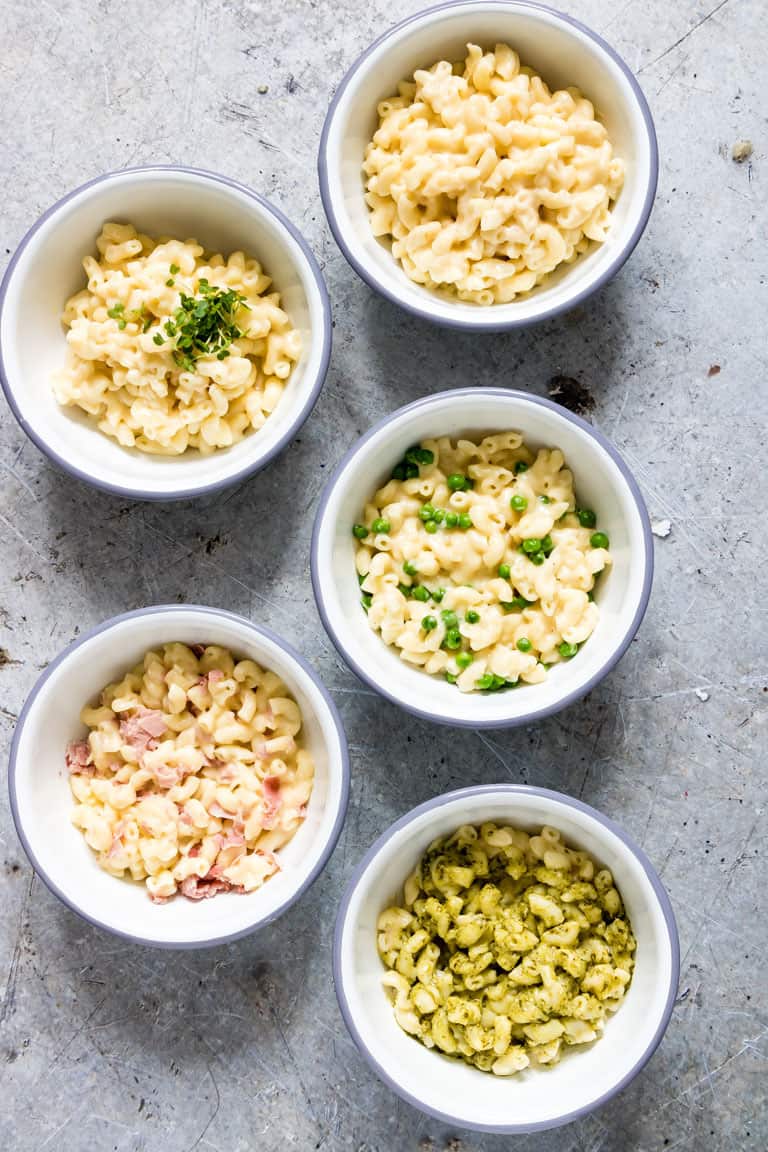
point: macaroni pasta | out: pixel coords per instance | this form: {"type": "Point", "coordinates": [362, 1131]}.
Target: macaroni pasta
{"type": "Point", "coordinates": [192, 776]}
{"type": "Point", "coordinates": [508, 948]}
{"type": "Point", "coordinates": [486, 181]}
{"type": "Point", "coordinates": [475, 563]}
{"type": "Point", "coordinates": [124, 366]}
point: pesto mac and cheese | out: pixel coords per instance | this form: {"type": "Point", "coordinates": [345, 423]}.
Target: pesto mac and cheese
{"type": "Point", "coordinates": [475, 562]}
{"type": "Point", "coordinates": [484, 180]}
{"type": "Point", "coordinates": [192, 776]}
{"type": "Point", "coordinates": [170, 347]}
{"type": "Point", "coordinates": [507, 949]}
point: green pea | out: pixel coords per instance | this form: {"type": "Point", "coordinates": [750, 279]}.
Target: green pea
{"type": "Point", "coordinates": [457, 482]}
{"type": "Point", "coordinates": [409, 569]}
{"type": "Point", "coordinates": [547, 544]}
{"type": "Point", "coordinates": [521, 466]}
{"type": "Point", "coordinates": [531, 545]}
{"type": "Point", "coordinates": [366, 600]}
{"type": "Point", "coordinates": [360, 531]}
{"type": "Point", "coordinates": [504, 571]}
{"type": "Point", "coordinates": [485, 682]}
{"type": "Point", "coordinates": [465, 520]}
{"type": "Point", "coordinates": [380, 525]}
{"type": "Point", "coordinates": [545, 499]}
{"type": "Point", "coordinates": [451, 678]}
{"type": "Point", "coordinates": [518, 503]}
{"type": "Point", "coordinates": [524, 644]}
{"type": "Point", "coordinates": [398, 472]}
{"type": "Point", "coordinates": [587, 518]}
{"type": "Point", "coordinates": [438, 594]}
{"type": "Point", "coordinates": [537, 558]}
{"type": "Point", "coordinates": [449, 618]}
{"type": "Point", "coordinates": [411, 471]}
{"type": "Point", "coordinates": [431, 526]}
{"type": "Point", "coordinates": [452, 639]}
{"type": "Point", "coordinates": [426, 512]}
{"type": "Point", "coordinates": [464, 659]}
{"type": "Point", "coordinates": [361, 577]}
{"type": "Point", "coordinates": [419, 455]}
{"type": "Point", "coordinates": [451, 519]}
{"type": "Point", "coordinates": [428, 623]}
{"type": "Point", "coordinates": [420, 593]}
{"type": "Point", "coordinates": [516, 604]}
{"type": "Point", "coordinates": [599, 540]}
{"type": "Point", "coordinates": [567, 650]}
{"type": "Point", "coordinates": [405, 590]}
{"type": "Point", "coordinates": [439, 515]}
{"type": "Point", "coordinates": [472, 617]}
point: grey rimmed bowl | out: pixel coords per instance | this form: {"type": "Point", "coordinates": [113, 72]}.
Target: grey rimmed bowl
{"type": "Point", "coordinates": [565, 52]}
{"type": "Point", "coordinates": [450, 1090]}
{"type": "Point", "coordinates": [225, 216]}
{"type": "Point", "coordinates": [602, 481]}
{"type": "Point", "coordinates": [41, 801]}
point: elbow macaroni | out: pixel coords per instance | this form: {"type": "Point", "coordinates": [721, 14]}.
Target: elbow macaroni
{"type": "Point", "coordinates": [129, 382]}
{"type": "Point", "coordinates": [486, 181]}
{"type": "Point", "coordinates": [509, 948]}
{"type": "Point", "coordinates": [192, 775]}
{"type": "Point", "coordinates": [444, 571]}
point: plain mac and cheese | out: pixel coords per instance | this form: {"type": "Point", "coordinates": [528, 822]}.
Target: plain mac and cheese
{"type": "Point", "coordinates": [475, 562]}
{"type": "Point", "coordinates": [124, 365]}
{"type": "Point", "coordinates": [192, 776]}
{"type": "Point", "coordinates": [508, 948]}
{"type": "Point", "coordinates": [486, 181]}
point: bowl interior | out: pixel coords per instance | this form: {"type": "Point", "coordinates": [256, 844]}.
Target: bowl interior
{"type": "Point", "coordinates": [536, 1097]}
{"type": "Point", "coordinates": [564, 55]}
{"type": "Point", "coordinates": [599, 484]}
{"type": "Point", "coordinates": [44, 801]}
{"type": "Point", "coordinates": [182, 204]}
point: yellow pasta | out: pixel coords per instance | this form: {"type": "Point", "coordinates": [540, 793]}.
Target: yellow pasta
{"type": "Point", "coordinates": [175, 787]}
{"type": "Point", "coordinates": [508, 949]}
{"type": "Point", "coordinates": [127, 363]}
{"type": "Point", "coordinates": [475, 563]}
{"type": "Point", "coordinates": [484, 180]}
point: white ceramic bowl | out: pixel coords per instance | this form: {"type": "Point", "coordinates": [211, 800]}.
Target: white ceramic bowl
{"type": "Point", "coordinates": [450, 1090]}
{"type": "Point", "coordinates": [565, 53]}
{"type": "Point", "coordinates": [41, 801]}
{"type": "Point", "coordinates": [602, 481]}
{"type": "Point", "coordinates": [47, 268]}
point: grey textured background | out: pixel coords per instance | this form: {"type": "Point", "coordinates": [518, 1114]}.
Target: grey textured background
{"type": "Point", "coordinates": [107, 1046]}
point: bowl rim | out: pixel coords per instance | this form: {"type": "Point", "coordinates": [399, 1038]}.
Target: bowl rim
{"type": "Point", "coordinates": [511, 790]}
{"type": "Point", "coordinates": [615, 655]}
{"type": "Point", "coordinates": [242, 622]}
{"type": "Point", "coordinates": [366, 271]}
{"type": "Point", "coordinates": [250, 467]}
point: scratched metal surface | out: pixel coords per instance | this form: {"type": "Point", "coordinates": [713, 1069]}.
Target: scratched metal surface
{"type": "Point", "coordinates": [107, 1046]}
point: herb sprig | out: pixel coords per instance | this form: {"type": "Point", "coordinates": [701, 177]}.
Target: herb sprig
{"type": "Point", "coordinates": [203, 325]}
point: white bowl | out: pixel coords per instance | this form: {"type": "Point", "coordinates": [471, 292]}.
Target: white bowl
{"type": "Point", "coordinates": [47, 268]}
{"type": "Point", "coordinates": [41, 801]}
{"type": "Point", "coordinates": [451, 1090]}
{"type": "Point", "coordinates": [565, 53]}
{"type": "Point", "coordinates": [602, 481]}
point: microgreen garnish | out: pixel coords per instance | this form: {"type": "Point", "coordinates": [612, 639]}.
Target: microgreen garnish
{"type": "Point", "coordinates": [204, 325]}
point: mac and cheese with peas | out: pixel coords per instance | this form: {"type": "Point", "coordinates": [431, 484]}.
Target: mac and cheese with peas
{"type": "Point", "coordinates": [191, 777]}
{"type": "Point", "coordinates": [171, 348]}
{"type": "Point", "coordinates": [508, 948]}
{"type": "Point", "coordinates": [486, 181]}
{"type": "Point", "coordinates": [475, 562]}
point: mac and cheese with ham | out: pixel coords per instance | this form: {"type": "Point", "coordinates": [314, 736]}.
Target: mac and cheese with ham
{"type": "Point", "coordinates": [486, 181]}
{"type": "Point", "coordinates": [192, 776]}
{"type": "Point", "coordinates": [508, 948]}
{"type": "Point", "coordinates": [475, 563]}
{"type": "Point", "coordinates": [171, 348]}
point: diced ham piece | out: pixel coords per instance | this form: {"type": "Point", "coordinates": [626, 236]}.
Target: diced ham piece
{"type": "Point", "coordinates": [77, 757]}
{"type": "Point", "coordinates": [143, 729]}
{"type": "Point", "coordinates": [197, 888]}
{"type": "Point", "coordinates": [194, 850]}
{"type": "Point", "coordinates": [233, 839]}
{"type": "Point", "coordinates": [168, 776]}
{"type": "Point", "coordinates": [214, 676]}
{"type": "Point", "coordinates": [273, 801]}
{"type": "Point", "coordinates": [268, 855]}
{"type": "Point", "coordinates": [198, 649]}
{"type": "Point", "coordinates": [219, 812]}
